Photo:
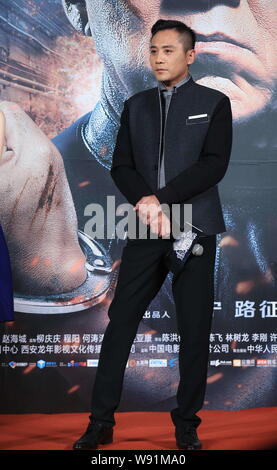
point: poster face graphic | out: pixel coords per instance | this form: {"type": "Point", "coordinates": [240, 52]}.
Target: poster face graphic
{"type": "Point", "coordinates": [66, 69]}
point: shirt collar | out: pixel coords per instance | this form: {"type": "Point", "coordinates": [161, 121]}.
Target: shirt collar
{"type": "Point", "coordinates": [162, 87]}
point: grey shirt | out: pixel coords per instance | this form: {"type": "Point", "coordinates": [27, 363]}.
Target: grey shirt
{"type": "Point", "coordinates": [166, 95]}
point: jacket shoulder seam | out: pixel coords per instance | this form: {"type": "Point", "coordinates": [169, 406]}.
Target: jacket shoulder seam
{"type": "Point", "coordinates": [139, 94]}
{"type": "Point", "coordinates": [212, 90]}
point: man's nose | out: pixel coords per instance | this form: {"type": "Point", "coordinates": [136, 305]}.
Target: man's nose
{"type": "Point", "coordinates": [159, 59]}
{"type": "Point", "coordinates": [178, 6]}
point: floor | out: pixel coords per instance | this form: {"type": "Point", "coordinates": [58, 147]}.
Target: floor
{"type": "Point", "coordinates": [250, 429]}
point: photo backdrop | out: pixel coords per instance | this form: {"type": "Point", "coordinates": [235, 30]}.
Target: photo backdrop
{"type": "Point", "coordinates": [66, 68]}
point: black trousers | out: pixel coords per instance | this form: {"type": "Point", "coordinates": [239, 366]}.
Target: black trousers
{"type": "Point", "coordinates": [141, 275]}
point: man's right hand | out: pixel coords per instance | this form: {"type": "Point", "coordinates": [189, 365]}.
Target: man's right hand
{"type": "Point", "coordinates": [160, 225]}
{"type": "Point", "coordinates": [150, 212]}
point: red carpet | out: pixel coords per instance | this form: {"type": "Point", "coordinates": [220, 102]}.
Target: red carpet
{"type": "Point", "coordinates": [251, 429]}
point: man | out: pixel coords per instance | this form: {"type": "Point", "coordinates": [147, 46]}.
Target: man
{"type": "Point", "coordinates": [240, 62]}
{"type": "Point", "coordinates": [179, 159]}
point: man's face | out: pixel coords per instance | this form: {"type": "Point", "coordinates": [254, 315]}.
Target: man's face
{"type": "Point", "coordinates": [168, 59]}
{"type": "Point", "coordinates": [235, 48]}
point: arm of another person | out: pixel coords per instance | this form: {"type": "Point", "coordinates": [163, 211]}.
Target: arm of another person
{"type": "Point", "coordinates": [213, 160]}
{"type": "Point", "coordinates": [123, 171]}
{"type": "Point", "coordinates": [2, 133]}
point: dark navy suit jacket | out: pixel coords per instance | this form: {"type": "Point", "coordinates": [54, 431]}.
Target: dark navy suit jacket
{"type": "Point", "coordinates": [198, 142]}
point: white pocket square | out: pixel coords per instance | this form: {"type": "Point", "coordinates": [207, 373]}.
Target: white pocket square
{"type": "Point", "coordinates": [197, 116]}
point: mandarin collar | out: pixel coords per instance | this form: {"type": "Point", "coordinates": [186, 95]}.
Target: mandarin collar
{"type": "Point", "coordinates": [162, 87]}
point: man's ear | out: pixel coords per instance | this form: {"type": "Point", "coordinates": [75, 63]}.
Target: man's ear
{"type": "Point", "coordinates": [76, 13]}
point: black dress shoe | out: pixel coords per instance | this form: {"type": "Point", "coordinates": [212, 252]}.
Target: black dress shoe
{"type": "Point", "coordinates": [96, 433]}
{"type": "Point", "coordinates": [186, 437]}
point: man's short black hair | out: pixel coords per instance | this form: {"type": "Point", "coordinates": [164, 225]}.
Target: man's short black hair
{"type": "Point", "coordinates": [187, 34]}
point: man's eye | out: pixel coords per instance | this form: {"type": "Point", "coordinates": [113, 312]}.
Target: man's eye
{"type": "Point", "coordinates": [166, 50]}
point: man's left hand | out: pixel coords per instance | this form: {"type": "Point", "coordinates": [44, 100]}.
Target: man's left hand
{"type": "Point", "coordinates": [148, 208]}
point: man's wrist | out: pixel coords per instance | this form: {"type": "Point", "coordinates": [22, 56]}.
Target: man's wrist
{"type": "Point", "coordinates": [167, 195]}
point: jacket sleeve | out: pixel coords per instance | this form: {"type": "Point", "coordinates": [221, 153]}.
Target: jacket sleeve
{"type": "Point", "coordinates": [123, 171]}
{"type": "Point", "coordinates": [212, 163]}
